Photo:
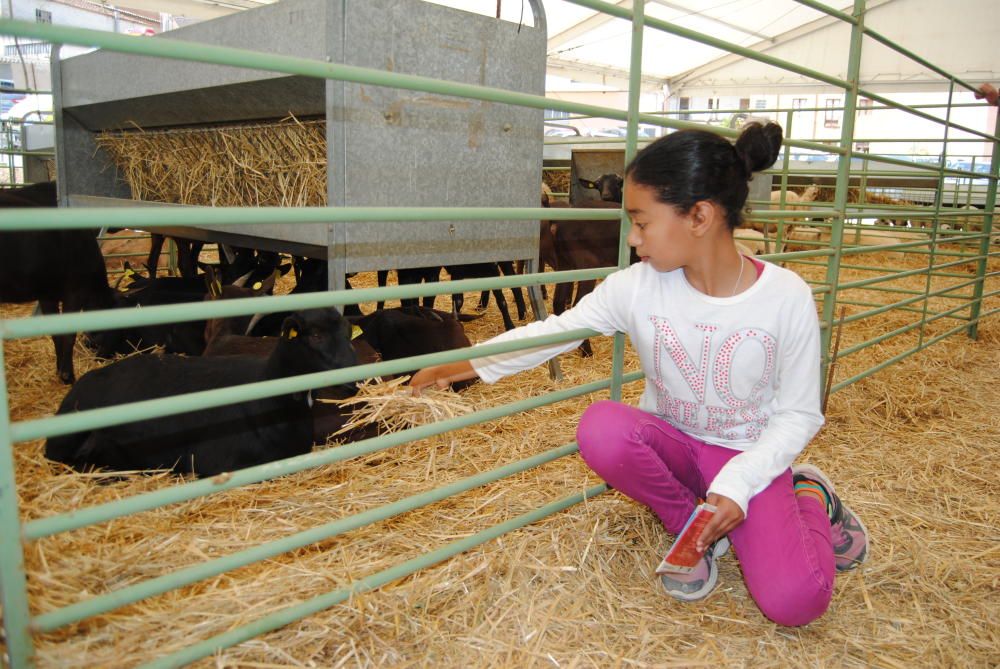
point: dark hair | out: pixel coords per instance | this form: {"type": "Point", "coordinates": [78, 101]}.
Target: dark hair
{"type": "Point", "coordinates": [688, 166]}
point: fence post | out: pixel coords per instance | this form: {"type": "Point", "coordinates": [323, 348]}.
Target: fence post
{"type": "Point", "coordinates": [938, 197]}
{"type": "Point", "coordinates": [984, 243]}
{"type": "Point", "coordinates": [631, 142]}
{"type": "Point", "coordinates": [13, 584]}
{"type": "Point", "coordinates": [843, 183]}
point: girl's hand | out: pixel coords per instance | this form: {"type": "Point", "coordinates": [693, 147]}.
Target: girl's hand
{"type": "Point", "coordinates": [442, 376]}
{"type": "Point", "coordinates": [728, 515]}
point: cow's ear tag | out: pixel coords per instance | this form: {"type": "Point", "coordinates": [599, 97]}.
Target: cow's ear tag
{"type": "Point", "coordinates": [292, 333]}
{"type": "Point", "coordinates": [356, 332]}
{"type": "Point", "coordinates": [257, 285]}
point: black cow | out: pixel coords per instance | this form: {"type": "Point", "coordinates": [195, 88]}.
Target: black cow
{"type": "Point", "coordinates": [386, 334]}
{"type": "Point", "coordinates": [215, 440]}
{"type": "Point", "coordinates": [482, 270]}
{"type": "Point", "coordinates": [185, 337]}
{"type": "Point", "coordinates": [582, 244]}
{"type": "Point", "coordinates": [62, 269]}
{"type": "Point", "coordinates": [188, 251]}
{"type": "Point", "coordinates": [407, 331]}
{"type": "Point", "coordinates": [608, 185]}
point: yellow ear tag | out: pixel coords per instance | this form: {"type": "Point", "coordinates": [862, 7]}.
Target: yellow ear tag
{"type": "Point", "coordinates": [257, 285]}
{"type": "Point", "coordinates": [356, 332]}
{"type": "Point", "coordinates": [292, 333]}
{"type": "Point", "coordinates": [128, 272]}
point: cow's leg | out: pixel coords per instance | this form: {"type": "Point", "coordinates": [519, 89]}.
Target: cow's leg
{"type": "Point", "coordinates": [457, 300]}
{"type": "Point", "coordinates": [382, 278]}
{"type": "Point", "coordinates": [562, 297]}
{"type": "Point", "coordinates": [63, 345]}
{"type": "Point", "coordinates": [484, 300]}
{"type": "Point", "coordinates": [508, 324]}
{"type": "Point", "coordinates": [430, 275]}
{"type": "Point", "coordinates": [582, 289]}
{"type": "Point", "coordinates": [187, 256]}
{"type": "Point", "coordinates": [351, 310]}
{"type": "Point", "coordinates": [507, 267]}
{"type": "Point", "coordinates": [155, 247]}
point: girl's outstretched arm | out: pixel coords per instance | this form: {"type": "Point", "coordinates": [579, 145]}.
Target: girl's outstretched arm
{"type": "Point", "coordinates": [442, 376]}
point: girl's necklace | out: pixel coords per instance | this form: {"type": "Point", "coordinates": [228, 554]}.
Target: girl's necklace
{"type": "Point", "coordinates": [736, 286]}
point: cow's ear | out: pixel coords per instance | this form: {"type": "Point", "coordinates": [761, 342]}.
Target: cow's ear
{"type": "Point", "coordinates": [262, 287]}
{"type": "Point", "coordinates": [291, 328]}
{"type": "Point", "coordinates": [587, 183]}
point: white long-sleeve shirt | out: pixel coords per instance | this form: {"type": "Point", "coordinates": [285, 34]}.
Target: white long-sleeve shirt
{"type": "Point", "coordinates": [740, 372]}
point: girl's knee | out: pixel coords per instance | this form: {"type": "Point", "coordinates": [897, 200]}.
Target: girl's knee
{"type": "Point", "coordinates": [599, 421]}
{"type": "Point", "coordinates": [795, 603]}
{"type": "Point", "coordinates": [602, 433]}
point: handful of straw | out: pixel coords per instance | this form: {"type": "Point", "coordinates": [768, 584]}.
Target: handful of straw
{"type": "Point", "coordinates": [393, 406]}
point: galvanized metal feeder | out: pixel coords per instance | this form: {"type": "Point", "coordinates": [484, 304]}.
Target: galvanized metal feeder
{"type": "Point", "coordinates": [385, 146]}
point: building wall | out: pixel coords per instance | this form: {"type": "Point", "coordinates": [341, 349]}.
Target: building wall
{"type": "Point", "coordinates": [34, 71]}
{"type": "Point", "coordinates": [869, 124]}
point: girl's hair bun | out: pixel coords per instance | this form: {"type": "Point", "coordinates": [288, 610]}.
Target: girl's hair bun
{"type": "Point", "coordinates": [758, 146]}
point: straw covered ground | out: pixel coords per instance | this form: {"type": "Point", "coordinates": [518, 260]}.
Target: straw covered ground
{"type": "Point", "coordinates": [914, 449]}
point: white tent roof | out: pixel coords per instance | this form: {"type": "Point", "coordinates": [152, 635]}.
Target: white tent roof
{"type": "Point", "coordinates": [587, 46]}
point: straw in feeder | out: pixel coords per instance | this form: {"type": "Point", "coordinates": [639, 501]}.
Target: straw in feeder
{"type": "Point", "coordinates": [281, 163]}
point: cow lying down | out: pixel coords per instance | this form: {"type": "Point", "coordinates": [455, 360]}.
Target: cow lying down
{"type": "Point", "coordinates": [386, 334]}
{"type": "Point", "coordinates": [215, 440]}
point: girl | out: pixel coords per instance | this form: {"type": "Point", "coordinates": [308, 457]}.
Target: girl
{"type": "Point", "coordinates": [730, 348]}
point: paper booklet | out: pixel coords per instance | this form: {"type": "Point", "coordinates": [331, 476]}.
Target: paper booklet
{"type": "Point", "coordinates": [683, 554]}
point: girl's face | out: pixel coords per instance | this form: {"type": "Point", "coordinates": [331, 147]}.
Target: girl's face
{"type": "Point", "coordinates": [660, 234]}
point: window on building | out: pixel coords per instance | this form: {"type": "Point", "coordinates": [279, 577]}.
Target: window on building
{"type": "Point", "coordinates": [862, 147]}
{"type": "Point", "coordinates": [683, 105]}
{"type": "Point", "coordinates": [42, 16]}
{"type": "Point", "coordinates": [760, 104]}
{"type": "Point", "coordinates": [713, 104]}
{"type": "Point", "coordinates": [831, 117]}
{"type": "Point", "coordinates": [744, 103]}
{"type": "Point", "coordinates": [864, 107]}
{"type": "Point", "coordinates": [799, 103]}
{"type": "Point", "coordinates": [552, 114]}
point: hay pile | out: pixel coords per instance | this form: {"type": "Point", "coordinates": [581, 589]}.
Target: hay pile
{"type": "Point", "coordinates": [249, 165]}
{"type": "Point", "coordinates": [393, 407]}
{"type": "Point", "coordinates": [557, 180]}
{"type": "Point", "coordinates": [914, 449]}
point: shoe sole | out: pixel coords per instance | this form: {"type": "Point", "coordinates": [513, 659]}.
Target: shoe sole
{"type": "Point", "coordinates": [705, 591]}
{"type": "Point", "coordinates": [815, 474]}
{"type": "Point", "coordinates": [722, 547]}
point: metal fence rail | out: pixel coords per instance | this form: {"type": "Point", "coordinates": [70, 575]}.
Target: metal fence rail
{"type": "Point", "coordinates": [943, 253]}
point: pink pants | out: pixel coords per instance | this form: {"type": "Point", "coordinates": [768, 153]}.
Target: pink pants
{"type": "Point", "coordinates": [784, 546]}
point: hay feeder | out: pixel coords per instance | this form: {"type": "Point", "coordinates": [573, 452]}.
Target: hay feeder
{"type": "Point", "coordinates": [285, 140]}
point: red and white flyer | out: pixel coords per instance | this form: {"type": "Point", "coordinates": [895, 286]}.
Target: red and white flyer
{"type": "Point", "coordinates": [683, 554]}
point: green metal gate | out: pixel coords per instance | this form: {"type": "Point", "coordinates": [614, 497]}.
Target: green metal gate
{"type": "Point", "coordinates": [967, 293]}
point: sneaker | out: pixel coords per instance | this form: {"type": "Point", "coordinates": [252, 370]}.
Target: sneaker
{"type": "Point", "coordinates": [850, 536]}
{"type": "Point", "coordinates": [699, 583]}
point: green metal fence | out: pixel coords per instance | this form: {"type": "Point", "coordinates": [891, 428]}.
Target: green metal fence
{"type": "Point", "coordinates": [953, 264]}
